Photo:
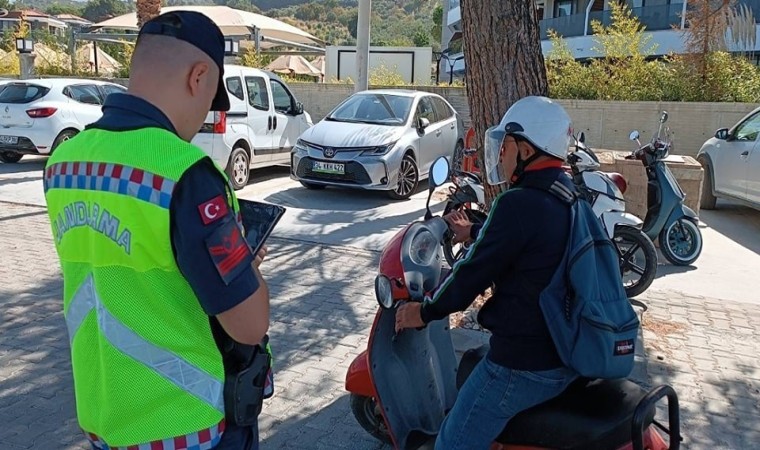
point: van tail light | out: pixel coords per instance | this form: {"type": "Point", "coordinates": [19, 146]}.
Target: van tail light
{"type": "Point", "coordinates": [619, 181]}
{"type": "Point", "coordinates": [220, 122]}
{"type": "Point", "coordinates": [38, 113]}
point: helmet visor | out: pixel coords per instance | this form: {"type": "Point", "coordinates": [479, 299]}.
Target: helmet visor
{"type": "Point", "coordinates": [492, 149]}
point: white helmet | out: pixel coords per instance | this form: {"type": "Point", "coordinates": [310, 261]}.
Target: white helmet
{"type": "Point", "coordinates": [540, 121]}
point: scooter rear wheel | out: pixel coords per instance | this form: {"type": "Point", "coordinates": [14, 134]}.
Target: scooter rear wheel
{"type": "Point", "coordinates": [681, 242]}
{"type": "Point", "coordinates": [637, 257]}
{"type": "Point", "coordinates": [367, 413]}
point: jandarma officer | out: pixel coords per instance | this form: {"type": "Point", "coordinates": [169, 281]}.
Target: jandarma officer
{"type": "Point", "coordinates": [159, 282]}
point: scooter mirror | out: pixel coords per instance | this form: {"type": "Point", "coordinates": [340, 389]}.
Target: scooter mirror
{"type": "Point", "coordinates": [664, 117]}
{"type": "Point", "coordinates": [582, 137]}
{"type": "Point", "coordinates": [439, 173]}
{"type": "Point", "coordinates": [634, 135]}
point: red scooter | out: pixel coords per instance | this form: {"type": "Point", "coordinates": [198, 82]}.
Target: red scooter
{"type": "Point", "coordinates": [404, 384]}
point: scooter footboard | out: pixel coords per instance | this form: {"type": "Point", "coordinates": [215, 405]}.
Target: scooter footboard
{"type": "Point", "coordinates": [414, 375]}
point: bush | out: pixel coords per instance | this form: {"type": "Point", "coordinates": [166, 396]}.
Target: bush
{"type": "Point", "coordinates": [625, 73]}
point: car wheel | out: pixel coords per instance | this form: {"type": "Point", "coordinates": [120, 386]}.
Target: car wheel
{"type": "Point", "coordinates": [408, 179]}
{"type": "Point", "coordinates": [458, 159]}
{"type": "Point", "coordinates": [239, 168]}
{"type": "Point", "coordinates": [63, 137]}
{"type": "Point", "coordinates": [708, 200]}
{"type": "Point", "coordinates": [312, 186]}
{"type": "Point", "coordinates": [10, 157]}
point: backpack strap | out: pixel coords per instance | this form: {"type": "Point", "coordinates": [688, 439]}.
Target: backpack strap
{"type": "Point", "coordinates": [565, 194]}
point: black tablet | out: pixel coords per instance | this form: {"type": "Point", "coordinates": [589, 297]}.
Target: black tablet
{"type": "Point", "coordinates": [259, 219]}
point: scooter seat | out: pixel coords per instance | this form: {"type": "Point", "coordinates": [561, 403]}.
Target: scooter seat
{"type": "Point", "coordinates": [594, 414]}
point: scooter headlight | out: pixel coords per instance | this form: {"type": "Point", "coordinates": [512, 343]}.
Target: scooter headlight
{"type": "Point", "coordinates": [424, 248]}
{"type": "Point", "coordinates": [383, 291]}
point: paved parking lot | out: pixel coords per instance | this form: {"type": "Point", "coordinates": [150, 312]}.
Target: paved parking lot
{"type": "Point", "coordinates": [702, 327]}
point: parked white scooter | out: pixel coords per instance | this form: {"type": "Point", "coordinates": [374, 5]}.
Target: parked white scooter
{"type": "Point", "coordinates": [638, 256]}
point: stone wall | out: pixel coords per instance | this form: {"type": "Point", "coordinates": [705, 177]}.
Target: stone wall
{"type": "Point", "coordinates": [606, 124]}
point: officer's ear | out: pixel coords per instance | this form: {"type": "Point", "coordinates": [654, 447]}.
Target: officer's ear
{"type": "Point", "coordinates": [199, 79]}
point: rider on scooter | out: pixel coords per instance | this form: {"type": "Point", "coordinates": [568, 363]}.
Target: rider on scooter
{"type": "Point", "coordinates": [517, 251]}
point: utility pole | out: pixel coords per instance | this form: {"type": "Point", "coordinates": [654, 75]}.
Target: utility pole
{"type": "Point", "coordinates": [362, 46]}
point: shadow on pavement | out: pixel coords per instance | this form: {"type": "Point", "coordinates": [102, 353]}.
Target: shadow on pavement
{"type": "Point", "coordinates": [713, 370]}
{"type": "Point", "coordinates": [737, 222]}
{"type": "Point", "coordinates": [329, 426]}
{"type": "Point", "coordinates": [337, 198]}
{"type": "Point", "coordinates": [27, 164]}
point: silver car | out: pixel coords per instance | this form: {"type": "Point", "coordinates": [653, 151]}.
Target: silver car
{"type": "Point", "coordinates": [731, 160]}
{"type": "Point", "coordinates": [379, 140]}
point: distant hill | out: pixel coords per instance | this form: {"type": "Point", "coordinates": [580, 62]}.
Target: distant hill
{"type": "Point", "coordinates": [394, 22]}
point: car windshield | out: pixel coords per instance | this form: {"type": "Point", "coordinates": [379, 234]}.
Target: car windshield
{"type": "Point", "coordinates": [381, 109]}
{"type": "Point", "coordinates": [22, 93]}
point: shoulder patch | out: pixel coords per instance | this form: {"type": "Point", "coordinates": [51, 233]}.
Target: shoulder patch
{"type": "Point", "coordinates": [229, 250]}
{"type": "Point", "coordinates": [213, 210]}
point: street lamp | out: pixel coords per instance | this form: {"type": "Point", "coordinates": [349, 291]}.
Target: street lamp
{"type": "Point", "coordinates": [452, 63]}
{"type": "Point", "coordinates": [438, 56]}
{"type": "Point", "coordinates": [231, 47]}
{"type": "Point", "coordinates": [24, 45]}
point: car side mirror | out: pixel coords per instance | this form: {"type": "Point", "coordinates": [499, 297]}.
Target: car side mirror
{"type": "Point", "coordinates": [422, 123]}
{"type": "Point", "coordinates": [722, 134]}
{"type": "Point", "coordinates": [298, 110]}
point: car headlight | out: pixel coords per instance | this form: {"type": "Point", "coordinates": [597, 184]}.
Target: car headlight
{"type": "Point", "coordinates": [383, 291]}
{"type": "Point", "coordinates": [300, 145]}
{"type": "Point", "coordinates": [379, 150]}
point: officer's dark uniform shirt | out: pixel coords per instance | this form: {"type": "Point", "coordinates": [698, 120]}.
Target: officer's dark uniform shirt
{"type": "Point", "coordinates": [191, 237]}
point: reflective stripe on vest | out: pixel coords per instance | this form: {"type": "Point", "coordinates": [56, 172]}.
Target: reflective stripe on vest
{"type": "Point", "coordinates": [108, 177]}
{"type": "Point", "coordinates": [173, 368]}
{"type": "Point", "coordinates": [202, 440]}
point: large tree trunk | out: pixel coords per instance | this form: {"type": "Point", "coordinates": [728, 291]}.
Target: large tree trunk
{"type": "Point", "coordinates": [146, 10]}
{"type": "Point", "coordinates": [504, 60]}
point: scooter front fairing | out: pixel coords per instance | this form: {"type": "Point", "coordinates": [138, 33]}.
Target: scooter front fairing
{"type": "Point", "coordinates": [414, 374]}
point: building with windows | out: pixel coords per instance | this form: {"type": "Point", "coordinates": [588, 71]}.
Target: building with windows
{"type": "Point", "coordinates": [37, 21]}
{"type": "Point", "coordinates": [664, 20]}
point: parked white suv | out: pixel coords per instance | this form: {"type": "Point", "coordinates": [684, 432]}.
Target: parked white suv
{"type": "Point", "coordinates": [36, 115]}
{"type": "Point", "coordinates": [261, 127]}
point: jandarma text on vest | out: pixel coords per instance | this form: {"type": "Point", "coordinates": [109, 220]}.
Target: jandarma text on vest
{"type": "Point", "coordinates": [79, 214]}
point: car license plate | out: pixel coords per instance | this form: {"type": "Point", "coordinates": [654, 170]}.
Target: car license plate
{"type": "Point", "coordinates": [323, 167]}
{"type": "Point", "coordinates": [8, 139]}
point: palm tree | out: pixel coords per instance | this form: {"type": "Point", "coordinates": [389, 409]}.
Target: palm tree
{"type": "Point", "coordinates": [146, 10]}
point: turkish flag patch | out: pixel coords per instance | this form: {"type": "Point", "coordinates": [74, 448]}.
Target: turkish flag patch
{"type": "Point", "coordinates": [213, 210]}
{"type": "Point", "coordinates": [229, 250]}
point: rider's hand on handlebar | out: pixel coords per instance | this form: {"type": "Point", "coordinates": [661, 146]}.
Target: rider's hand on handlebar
{"type": "Point", "coordinates": [460, 225]}
{"type": "Point", "coordinates": [409, 315]}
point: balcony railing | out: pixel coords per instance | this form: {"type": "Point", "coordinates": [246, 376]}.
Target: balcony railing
{"type": "Point", "coordinates": [654, 18]}
{"type": "Point", "coordinates": [660, 17]}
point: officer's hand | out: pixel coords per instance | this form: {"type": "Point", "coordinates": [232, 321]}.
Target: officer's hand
{"type": "Point", "coordinates": [260, 256]}
{"type": "Point", "coordinates": [409, 315]}
{"type": "Point", "coordinates": [460, 224]}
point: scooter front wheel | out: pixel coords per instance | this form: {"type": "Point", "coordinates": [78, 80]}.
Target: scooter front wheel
{"type": "Point", "coordinates": [681, 242]}
{"type": "Point", "coordinates": [638, 259]}
{"type": "Point", "coordinates": [367, 413]}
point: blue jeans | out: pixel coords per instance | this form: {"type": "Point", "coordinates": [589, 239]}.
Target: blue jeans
{"type": "Point", "coordinates": [490, 397]}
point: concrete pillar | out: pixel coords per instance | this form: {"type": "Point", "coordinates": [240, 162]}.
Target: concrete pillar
{"type": "Point", "coordinates": [26, 63]}
{"type": "Point", "coordinates": [362, 46]}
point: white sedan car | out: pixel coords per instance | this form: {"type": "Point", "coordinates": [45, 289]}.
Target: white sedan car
{"type": "Point", "coordinates": [382, 140]}
{"type": "Point", "coordinates": [731, 160]}
{"type": "Point", "coordinates": [37, 115]}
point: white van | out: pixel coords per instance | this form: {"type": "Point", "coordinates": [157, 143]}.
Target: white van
{"type": "Point", "coordinates": [261, 127]}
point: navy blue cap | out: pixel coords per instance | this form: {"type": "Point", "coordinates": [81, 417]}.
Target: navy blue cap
{"type": "Point", "coordinates": [200, 31]}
